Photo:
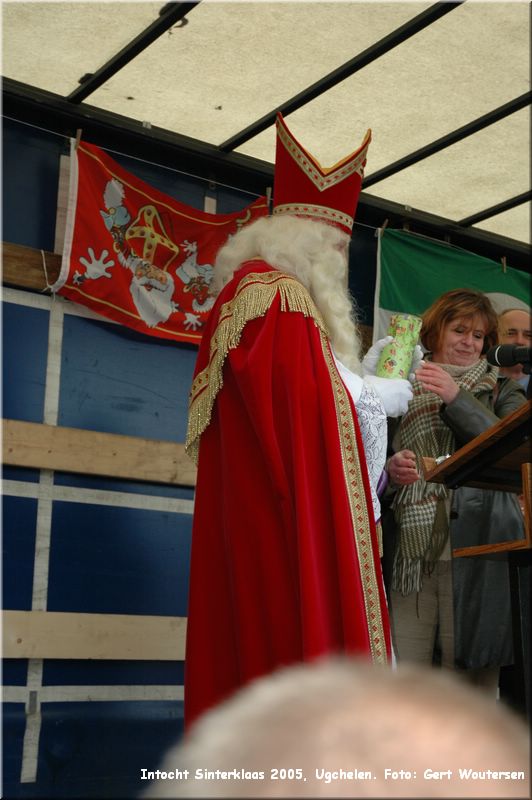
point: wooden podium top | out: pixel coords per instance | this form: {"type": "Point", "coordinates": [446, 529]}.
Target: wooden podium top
{"type": "Point", "coordinates": [500, 458]}
{"type": "Point", "coordinates": [492, 460]}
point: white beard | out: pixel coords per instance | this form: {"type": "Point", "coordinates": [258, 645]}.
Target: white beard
{"type": "Point", "coordinates": [153, 306]}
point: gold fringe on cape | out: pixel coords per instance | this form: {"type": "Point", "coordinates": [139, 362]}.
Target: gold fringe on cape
{"type": "Point", "coordinates": [253, 297]}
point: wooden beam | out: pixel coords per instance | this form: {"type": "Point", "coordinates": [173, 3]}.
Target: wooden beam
{"type": "Point", "coordinates": [30, 444]}
{"type": "Point", "coordinates": [56, 634]}
{"type": "Point", "coordinates": [23, 267]}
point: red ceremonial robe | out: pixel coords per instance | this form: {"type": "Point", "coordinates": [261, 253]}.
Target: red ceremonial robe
{"type": "Point", "coordinates": [285, 564]}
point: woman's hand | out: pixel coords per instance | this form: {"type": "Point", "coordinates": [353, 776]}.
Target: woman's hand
{"type": "Point", "coordinates": [402, 469]}
{"type": "Point", "coordinates": [435, 379]}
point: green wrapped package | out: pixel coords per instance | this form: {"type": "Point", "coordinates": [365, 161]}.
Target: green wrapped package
{"type": "Point", "coordinates": [396, 358]}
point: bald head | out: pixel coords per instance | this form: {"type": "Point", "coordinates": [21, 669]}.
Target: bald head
{"type": "Point", "coordinates": [515, 327]}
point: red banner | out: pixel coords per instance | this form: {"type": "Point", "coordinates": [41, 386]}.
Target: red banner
{"type": "Point", "coordinates": [137, 256]}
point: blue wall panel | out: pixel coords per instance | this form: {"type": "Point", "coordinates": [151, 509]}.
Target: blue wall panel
{"type": "Point", "coordinates": [230, 200]}
{"type": "Point", "coordinates": [20, 473]}
{"type": "Point", "coordinates": [186, 189]}
{"type": "Point", "coordinates": [118, 560]}
{"type": "Point", "coordinates": [72, 672]}
{"type": "Point", "coordinates": [92, 749]}
{"type": "Point", "coordinates": [117, 381]}
{"type": "Point", "coordinates": [18, 547]}
{"type": "Point", "coordinates": [30, 181]}
{"type": "Point", "coordinates": [13, 725]}
{"type": "Point", "coordinates": [99, 749]}
{"type": "Point", "coordinates": [25, 348]}
{"type": "Point", "coordinates": [14, 671]}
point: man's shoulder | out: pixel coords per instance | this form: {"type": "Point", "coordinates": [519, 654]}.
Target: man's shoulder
{"type": "Point", "coordinates": [258, 288]}
{"type": "Point", "coordinates": [255, 270]}
{"type": "Point", "coordinates": [257, 275]}
{"type": "Point", "coordinates": [258, 271]}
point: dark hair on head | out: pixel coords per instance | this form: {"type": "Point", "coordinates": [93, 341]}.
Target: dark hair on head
{"type": "Point", "coordinates": [466, 303]}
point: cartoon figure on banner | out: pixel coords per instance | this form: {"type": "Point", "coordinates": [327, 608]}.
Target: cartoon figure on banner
{"type": "Point", "coordinates": [152, 287]}
{"type": "Point", "coordinates": [196, 279]}
{"type": "Point", "coordinates": [117, 217]}
{"type": "Point", "coordinates": [152, 290]}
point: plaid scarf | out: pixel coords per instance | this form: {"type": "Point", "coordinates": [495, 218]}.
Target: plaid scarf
{"type": "Point", "coordinates": [422, 524]}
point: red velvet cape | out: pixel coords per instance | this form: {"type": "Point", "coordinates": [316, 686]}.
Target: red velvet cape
{"type": "Point", "coordinates": [285, 564]}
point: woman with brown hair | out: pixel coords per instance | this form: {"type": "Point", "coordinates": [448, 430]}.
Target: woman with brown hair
{"type": "Point", "coordinates": [455, 611]}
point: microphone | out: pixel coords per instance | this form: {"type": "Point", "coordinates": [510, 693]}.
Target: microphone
{"type": "Point", "coordinates": [508, 355]}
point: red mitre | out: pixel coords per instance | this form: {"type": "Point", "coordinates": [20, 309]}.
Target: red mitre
{"type": "Point", "coordinates": [305, 188]}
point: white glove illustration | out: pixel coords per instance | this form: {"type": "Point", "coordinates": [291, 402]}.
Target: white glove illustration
{"type": "Point", "coordinates": [395, 393]}
{"type": "Point", "coordinates": [192, 321]}
{"type": "Point", "coordinates": [371, 359]}
{"type": "Point", "coordinates": [97, 267]}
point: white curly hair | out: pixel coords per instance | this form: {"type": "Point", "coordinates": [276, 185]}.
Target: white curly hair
{"type": "Point", "coordinates": [313, 252]}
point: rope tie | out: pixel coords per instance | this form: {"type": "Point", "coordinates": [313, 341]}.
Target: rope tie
{"type": "Point", "coordinates": [48, 284]}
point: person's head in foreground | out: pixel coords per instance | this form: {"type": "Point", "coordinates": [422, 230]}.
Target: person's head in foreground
{"type": "Point", "coordinates": [344, 728]}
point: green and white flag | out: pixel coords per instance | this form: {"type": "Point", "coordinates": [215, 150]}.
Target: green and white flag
{"type": "Point", "coordinates": [412, 271]}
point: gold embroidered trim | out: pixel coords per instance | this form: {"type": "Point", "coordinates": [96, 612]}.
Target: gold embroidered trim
{"type": "Point", "coordinates": [324, 178]}
{"type": "Point", "coordinates": [359, 511]}
{"type": "Point", "coordinates": [321, 212]}
{"type": "Point", "coordinates": [253, 297]}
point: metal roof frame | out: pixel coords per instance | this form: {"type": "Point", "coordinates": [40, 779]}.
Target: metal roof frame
{"type": "Point", "coordinates": [506, 205]}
